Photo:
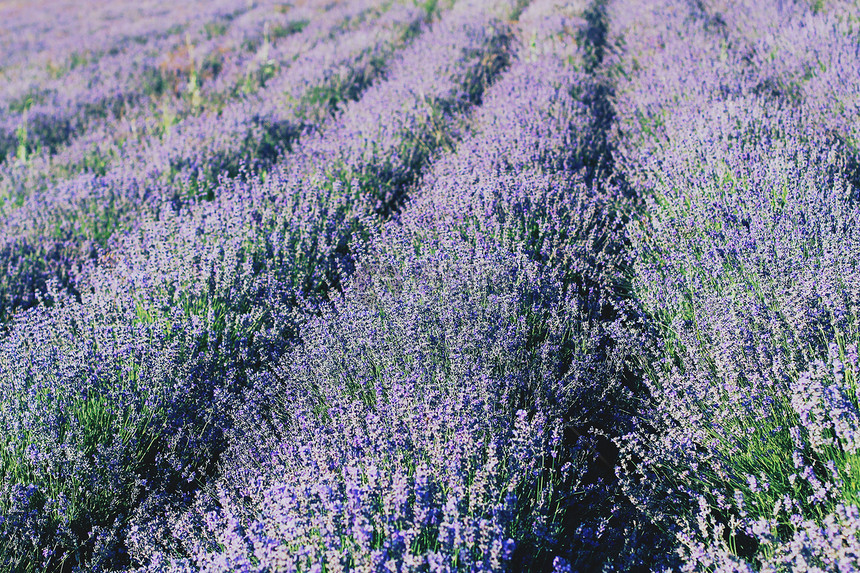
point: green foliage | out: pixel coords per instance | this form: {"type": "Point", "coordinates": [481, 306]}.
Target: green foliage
{"type": "Point", "coordinates": [214, 29]}
{"type": "Point", "coordinates": [153, 82]}
{"type": "Point", "coordinates": [430, 7]}
{"type": "Point", "coordinates": [25, 102]}
{"type": "Point", "coordinates": [279, 31]}
{"type": "Point", "coordinates": [22, 151]}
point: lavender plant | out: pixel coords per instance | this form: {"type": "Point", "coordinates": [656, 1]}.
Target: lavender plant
{"type": "Point", "coordinates": [101, 412]}
{"type": "Point", "coordinates": [380, 421]}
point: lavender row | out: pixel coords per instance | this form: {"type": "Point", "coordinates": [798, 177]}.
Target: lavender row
{"type": "Point", "coordinates": [45, 105]}
{"type": "Point", "coordinates": [160, 395]}
{"type": "Point", "coordinates": [691, 67]}
{"type": "Point", "coordinates": [49, 35]}
{"type": "Point", "coordinates": [173, 77]}
{"type": "Point", "coordinates": [57, 230]}
{"type": "Point", "coordinates": [427, 405]}
{"type": "Point", "coordinates": [136, 135]}
{"type": "Point", "coordinates": [293, 229]}
{"type": "Point", "coordinates": [152, 125]}
{"type": "Point", "coordinates": [744, 263]}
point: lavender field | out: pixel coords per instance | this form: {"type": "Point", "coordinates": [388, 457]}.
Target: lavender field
{"type": "Point", "coordinates": [429, 285]}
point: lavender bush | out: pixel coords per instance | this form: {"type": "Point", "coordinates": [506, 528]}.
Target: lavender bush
{"type": "Point", "coordinates": [101, 411]}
